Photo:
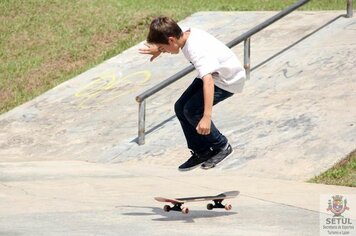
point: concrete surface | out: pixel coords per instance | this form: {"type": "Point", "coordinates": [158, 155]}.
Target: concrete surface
{"type": "Point", "coordinates": [69, 164]}
{"type": "Point", "coordinates": [78, 198]}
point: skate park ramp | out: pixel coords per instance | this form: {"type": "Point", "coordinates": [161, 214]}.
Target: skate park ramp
{"type": "Point", "coordinates": [294, 119]}
{"type": "Point", "coordinates": [70, 164]}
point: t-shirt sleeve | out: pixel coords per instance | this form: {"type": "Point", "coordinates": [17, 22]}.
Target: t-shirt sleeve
{"type": "Point", "coordinates": [204, 63]}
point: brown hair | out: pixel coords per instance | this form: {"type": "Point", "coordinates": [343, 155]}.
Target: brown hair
{"type": "Point", "coordinates": [161, 29]}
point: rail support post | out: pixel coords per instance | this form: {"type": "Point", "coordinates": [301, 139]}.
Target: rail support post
{"type": "Point", "coordinates": [247, 56]}
{"type": "Point", "coordinates": [349, 10]}
{"type": "Point", "coordinates": [141, 122]}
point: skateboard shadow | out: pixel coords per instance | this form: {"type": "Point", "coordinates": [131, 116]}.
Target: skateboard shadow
{"type": "Point", "coordinates": [177, 216]}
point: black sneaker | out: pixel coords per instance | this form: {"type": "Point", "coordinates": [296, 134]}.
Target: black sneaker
{"type": "Point", "coordinates": [218, 158]}
{"type": "Point", "coordinates": [195, 160]}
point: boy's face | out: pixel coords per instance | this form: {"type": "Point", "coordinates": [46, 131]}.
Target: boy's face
{"type": "Point", "coordinates": [172, 46]}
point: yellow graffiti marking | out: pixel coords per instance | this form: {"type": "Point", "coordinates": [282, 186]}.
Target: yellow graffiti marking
{"type": "Point", "coordinates": [107, 87]}
{"type": "Point", "coordinates": [92, 89]}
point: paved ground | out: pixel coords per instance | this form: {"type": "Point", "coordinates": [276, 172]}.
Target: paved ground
{"type": "Point", "coordinates": [69, 164]}
{"type": "Point", "coordinates": [76, 198]}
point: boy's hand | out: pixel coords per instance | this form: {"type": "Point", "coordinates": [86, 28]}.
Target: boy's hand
{"type": "Point", "coordinates": [204, 125]}
{"type": "Point", "coordinates": [150, 49]}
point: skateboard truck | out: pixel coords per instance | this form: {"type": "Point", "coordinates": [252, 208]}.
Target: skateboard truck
{"type": "Point", "coordinates": [176, 207]}
{"type": "Point", "coordinates": [218, 204]}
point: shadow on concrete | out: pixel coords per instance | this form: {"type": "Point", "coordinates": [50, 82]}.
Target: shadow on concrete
{"type": "Point", "coordinates": [4, 233]}
{"type": "Point", "coordinates": [156, 127]}
{"type": "Point", "coordinates": [178, 216]}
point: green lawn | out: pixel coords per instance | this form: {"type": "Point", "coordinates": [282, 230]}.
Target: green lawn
{"type": "Point", "coordinates": [46, 42]}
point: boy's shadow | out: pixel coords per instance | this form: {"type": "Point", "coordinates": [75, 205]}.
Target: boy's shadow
{"type": "Point", "coordinates": [176, 215]}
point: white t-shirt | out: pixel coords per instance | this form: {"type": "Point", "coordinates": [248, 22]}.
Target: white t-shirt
{"type": "Point", "coordinates": [211, 56]}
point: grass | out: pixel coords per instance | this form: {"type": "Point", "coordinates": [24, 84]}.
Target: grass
{"type": "Point", "coordinates": [46, 42]}
{"type": "Point", "coordinates": [343, 173]}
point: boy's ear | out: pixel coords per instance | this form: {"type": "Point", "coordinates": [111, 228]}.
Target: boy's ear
{"type": "Point", "coordinates": [172, 40]}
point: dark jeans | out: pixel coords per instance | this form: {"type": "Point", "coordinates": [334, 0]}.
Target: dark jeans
{"type": "Point", "coordinates": [190, 109]}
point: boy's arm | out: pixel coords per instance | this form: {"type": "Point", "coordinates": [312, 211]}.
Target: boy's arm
{"type": "Point", "coordinates": [204, 125]}
{"type": "Point", "coordinates": [150, 49]}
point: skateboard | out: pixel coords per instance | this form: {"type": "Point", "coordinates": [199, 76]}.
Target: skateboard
{"type": "Point", "coordinates": [178, 202]}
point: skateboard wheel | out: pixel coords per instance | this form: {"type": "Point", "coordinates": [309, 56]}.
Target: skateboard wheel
{"type": "Point", "coordinates": [210, 206]}
{"type": "Point", "coordinates": [166, 208]}
{"type": "Point", "coordinates": [185, 210]}
{"type": "Point", "coordinates": [228, 207]}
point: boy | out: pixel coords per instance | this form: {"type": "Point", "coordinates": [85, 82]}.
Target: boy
{"type": "Point", "coordinates": [220, 76]}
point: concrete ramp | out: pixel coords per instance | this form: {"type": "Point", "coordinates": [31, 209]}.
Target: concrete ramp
{"type": "Point", "coordinates": [295, 118]}
{"type": "Point", "coordinates": [69, 164]}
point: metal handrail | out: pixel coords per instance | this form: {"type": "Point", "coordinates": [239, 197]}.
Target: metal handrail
{"type": "Point", "coordinates": [246, 37]}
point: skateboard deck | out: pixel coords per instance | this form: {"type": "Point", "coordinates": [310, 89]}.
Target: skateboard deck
{"type": "Point", "coordinates": [217, 199]}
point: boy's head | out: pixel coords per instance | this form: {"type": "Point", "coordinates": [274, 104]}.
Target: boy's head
{"type": "Point", "coordinates": [161, 29]}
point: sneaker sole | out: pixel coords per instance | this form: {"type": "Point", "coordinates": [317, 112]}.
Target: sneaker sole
{"type": "Point", "coordinates": [190, 168]}
{"type": "Point", "coordinates": [219, 163]}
